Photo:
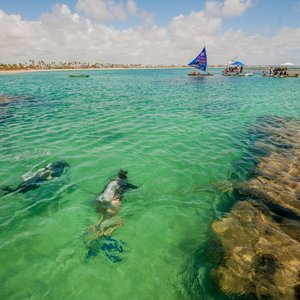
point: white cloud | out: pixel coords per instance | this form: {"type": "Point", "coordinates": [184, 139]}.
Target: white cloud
{"type": "Point", "coordinates": [213, 8]}
{"type": "Point", "coordinates": [195, 28]}
{"type": "Point", "coordinates": [108, 10]}
{"type": "Point", "coordinates": [102, 10]}
{"type": "Point", "coordinates": [63, 35]}
{"type": "Point", "coordinates": [228, 8]}
{"type": "Point", "coordinates": [131, 7]}
{"type": "Point", "coordinates": [233, 8]}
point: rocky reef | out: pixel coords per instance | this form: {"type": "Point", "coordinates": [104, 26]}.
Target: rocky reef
{"type": "Point", "coordinates": [5, 100]}
{"type": "Point", "coordinates": [261, 234]}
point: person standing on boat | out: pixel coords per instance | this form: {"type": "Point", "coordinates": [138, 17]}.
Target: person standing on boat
{"type": "Point", "coordinates": [271, 71]}
{"type": "Point", "coordinates": [281, 70]}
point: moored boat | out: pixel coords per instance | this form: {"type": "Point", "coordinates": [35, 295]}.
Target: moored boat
{"type": "Point", "coordinates": [79, 75]}
{"type": "Point", "coordinates": [280, 72]}
{"type": "Point", "coordinates": [200, 63]}
{"type": "Point", "coordinates": [235, 68]}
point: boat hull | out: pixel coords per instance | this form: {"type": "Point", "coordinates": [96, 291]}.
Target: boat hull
{"type": "Point", "coordinates": [200, 75]}
{"type": "Point", "coordinates": [238, 74]}
{"type": "Point", "coordinates": [282, 76]}
{"type": "Point", "coordinates": [79, 76]}
{"type": "Point", "coordinates": [292, 75]}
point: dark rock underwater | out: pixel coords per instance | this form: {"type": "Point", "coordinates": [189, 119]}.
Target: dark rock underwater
{"type": "Point", "coordinates": [260, 236]}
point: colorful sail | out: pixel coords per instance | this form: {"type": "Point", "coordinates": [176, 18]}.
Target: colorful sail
{"type": "Point", "coordinates": [200, 62]}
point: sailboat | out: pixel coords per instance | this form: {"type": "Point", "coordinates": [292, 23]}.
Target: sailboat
{"type": "Point", "coordinates": [200, 63]}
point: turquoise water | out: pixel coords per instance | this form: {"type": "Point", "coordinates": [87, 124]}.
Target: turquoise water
{"type": "Point", "coordinates": [179, 138]}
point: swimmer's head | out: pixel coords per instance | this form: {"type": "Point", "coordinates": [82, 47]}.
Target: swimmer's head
{"type": "Point", "coordinates": [122, 174]}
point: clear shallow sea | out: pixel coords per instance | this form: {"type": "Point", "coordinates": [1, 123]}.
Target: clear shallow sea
{"type": "Point", "coordinates": [179, 138]}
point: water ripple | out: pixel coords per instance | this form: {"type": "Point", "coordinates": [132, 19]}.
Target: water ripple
{"type": "Point", "coordinates": [179, 138]}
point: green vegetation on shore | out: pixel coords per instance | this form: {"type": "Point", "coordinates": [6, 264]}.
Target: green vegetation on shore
{"type": "Point", "coordinates": [41, 65]}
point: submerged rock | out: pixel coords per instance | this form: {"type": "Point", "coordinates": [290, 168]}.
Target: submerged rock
{"type": "Point", "coordinates": [6, 100]}
{"type": "Point", "coordinates": [260, 258]}
{"type": "Point", "coordinates": [2, 99]}
{"type": "Point", "coordinates": [261, 235]}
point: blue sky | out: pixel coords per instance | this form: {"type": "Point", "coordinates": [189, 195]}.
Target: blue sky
{"type": "Point", "coordinates": [260, 31]}
{"type": "Point", "coordinates": [268, 14]}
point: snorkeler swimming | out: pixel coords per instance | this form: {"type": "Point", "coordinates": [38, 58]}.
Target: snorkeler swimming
{"type": "Point", "coordinates": [51, 171]}
{"type": "Point", "coordinates": [109, 203]}
{"type": "Point", "coordinates": [98, 237]}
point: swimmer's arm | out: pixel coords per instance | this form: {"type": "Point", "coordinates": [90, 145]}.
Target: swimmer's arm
{"type": "Point", "coordinates": [131, 186]}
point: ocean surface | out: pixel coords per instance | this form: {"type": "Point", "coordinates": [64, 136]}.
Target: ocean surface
{"type": "Point", "coordinates": [179, 138]}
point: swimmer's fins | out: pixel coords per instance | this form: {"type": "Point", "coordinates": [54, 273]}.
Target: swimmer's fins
{"type": "Point", "coordinates": [109, 246]}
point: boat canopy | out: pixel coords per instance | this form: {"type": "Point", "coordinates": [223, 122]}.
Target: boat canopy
{"type": "Point", "coordinates": [200, 62]}
{"type": "Point", "coordinates": [235, 63]}
{"type": "Point", "coordinates": [288, 64]}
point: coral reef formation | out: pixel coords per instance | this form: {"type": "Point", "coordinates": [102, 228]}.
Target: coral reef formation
{"type": "Point", "coordinates": [261, 234]}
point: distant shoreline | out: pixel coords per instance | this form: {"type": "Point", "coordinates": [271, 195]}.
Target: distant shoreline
{"type": "Point", "coordinates": [9, 71]}
{"type": "Point", "coordinates": [87, 69]}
